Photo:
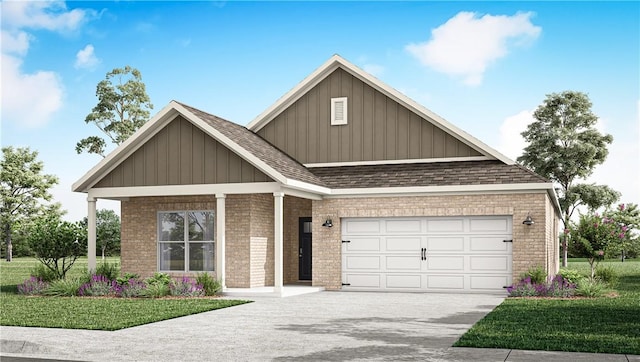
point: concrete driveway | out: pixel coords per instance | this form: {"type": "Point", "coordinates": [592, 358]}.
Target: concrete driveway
{"type": "Point", "coordinates": [324, 326]}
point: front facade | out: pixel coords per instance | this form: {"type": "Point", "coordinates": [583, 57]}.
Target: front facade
{"type": "Point", "coordinates": [344, 183]}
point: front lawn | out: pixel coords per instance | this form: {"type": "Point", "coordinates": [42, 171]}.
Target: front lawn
{"type": "Point", "coordinates": [605, 325]}
{"type": "Point", "coordinates": [88, 313]}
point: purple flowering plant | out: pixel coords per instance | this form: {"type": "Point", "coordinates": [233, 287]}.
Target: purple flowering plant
{"type": "Point", "coordinates": [185, 287]}
{"type": "Point", "coordinates": [558, 287]}
{"type": "Point", "coordinates": [99, 285]}
{"type": "Point", "coordinates": [33, 286]}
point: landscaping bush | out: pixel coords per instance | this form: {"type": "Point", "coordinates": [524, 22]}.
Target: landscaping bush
{"type": "Point", "coordinates": [64, 287]}
{"type": "Point", "coordinates": [155, 290]}
{"type": "Point", "coordinates": [558, 287]}
{"type": "Point", "coordinates": [99, 286]}
{"type": "Point", "coordinates": [42, 272]}
{"type": "Point", "coordinates": [33, 286]}
{"type": "Point", "coordinates": [133, 288]}
{"type": "Point", "coordinates": [108, 270]}
{"type": "Point", "coordinates": [185, 287]}
{"type": "Point", "coordinates": [158, 278]}
{"type": "Point", "coordinates": [126, 277]}
{"type": "Point", "coordinates": [537, 275]}
{"type": "Point", "coordinates": [607, 275]}
{"type": "Point", "coordinates": [210, 285]}
{"type": "Point", "coordinates": [572, 275]}
{"type": "Point", "coordinates": [591, 288]}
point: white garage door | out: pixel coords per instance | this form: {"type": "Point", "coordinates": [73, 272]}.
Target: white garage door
{"type": "Point", "coordinates": [465, 254]}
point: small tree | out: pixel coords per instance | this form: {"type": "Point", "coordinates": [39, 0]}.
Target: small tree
{"type": "Point", "coordinates": [627, 217]}
{"type": "Point", "coordinates": [593, 236]}
{"type": "Point", "coordinates": [107, 231]}
{"type": "Point", "coordinates": [23, 188]}
{"type": "Point", "coordinates": [563, 146]}
{"type": "Point", "coordinates": [123, 107]}
{"type": "Point", "coordinates": [56, 243]}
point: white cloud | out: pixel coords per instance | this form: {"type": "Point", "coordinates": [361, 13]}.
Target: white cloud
{"type": "Point", "coordinates": [374, 69]}
{"type": "Point", "coordinates": [467, 44]}
{"type": "Point", "coordinates": [511, 142]}
{"type": "Point", "coordinates": [29, 99]}
{"type": "Point", "coordinates": [86, 58]}
{"type": "Point", "coordinates": [15, 43]}
{"type": "Point", "coordinates": [48, 15]}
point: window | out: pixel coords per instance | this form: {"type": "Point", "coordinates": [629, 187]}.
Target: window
{"type": "Point", "coordinates": [338, 111]}
{"type": "Point", "coordinates": [186, 241]}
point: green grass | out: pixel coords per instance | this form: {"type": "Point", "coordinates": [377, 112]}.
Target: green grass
{"type": "Point", "coordinates": [605, 325]}
{"type": "Point", "coordinates": [88, 313]}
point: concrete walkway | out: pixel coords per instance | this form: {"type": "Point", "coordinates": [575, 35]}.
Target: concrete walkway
{"type": "Point", "coordinates": [323, 326]}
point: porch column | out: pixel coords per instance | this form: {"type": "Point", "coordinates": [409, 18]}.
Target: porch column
{"type": "Point", "coordinates": [278, 241]}
{"type": "Point", "coordinates": [91, 226]}
{"type": "Point", "coordinates": [220, 242]}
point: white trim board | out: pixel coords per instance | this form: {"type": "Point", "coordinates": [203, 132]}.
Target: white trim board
{"type": "Point", "coordinates": [397, 162]}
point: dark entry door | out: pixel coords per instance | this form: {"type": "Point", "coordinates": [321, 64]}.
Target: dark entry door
{"type": "Point", "coordinates": [304, 249]}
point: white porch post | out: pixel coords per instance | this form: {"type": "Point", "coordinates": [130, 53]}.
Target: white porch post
{"type": "Point", "coordinates": [278, 241]}
{"type": "Point", "coordinates": [91, 226]}
{"type": "Point", "coordinates": [220, 242]}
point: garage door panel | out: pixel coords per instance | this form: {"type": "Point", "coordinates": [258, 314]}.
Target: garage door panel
{"type": "Point", "coordinates": [489, 243]}
{"type": "Point", "coordinates": [367, 262]}
{"type": "Point", "coordinates": [360, 244]}
{"type": "Point", "coordinates": [489, 282]}
{"type": "Point", "coordinates": [396, 263]}
{"type": "Point", "coordinates": [498, 225]}
{"type": "Point", "coordinates": [403, 226]}
{"type": "Point", "coordinates": [403, 281]}
{"type": "Point", "coordinates": [493, 263]}
{"type": "Point", "coordinates": [362, 226]}
{"type": "Point", "coordinates": [435, 263]}
{"type": "Point", "coordinates": [408, 244]}
{"type": "Point", "coordinates": [363, 280]}
{"type": "Point", "coordinates": [445, 225]}
{"type": "Point", "coordinates": [435, 244]}
{"type": "Point", "coordinates": [452, 282]}
{"type": "Point", "coordinates": [461, 254]}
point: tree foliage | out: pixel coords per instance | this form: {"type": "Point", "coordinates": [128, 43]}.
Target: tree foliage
{"type": "Point", "coordinates": [593, 236]}
{"type": "Point", "coordinates": [627, 217]}
{"type": "Point", "coordinates": [123, 107]}
{"type": "Point", "coordinates": [107, 231]}
{"type": "Point", "coordinates": [23, 188]}
{"type": "Point", "coordinates": [56, 243]}
{"type": "Point", "coordinates": [564, 146]}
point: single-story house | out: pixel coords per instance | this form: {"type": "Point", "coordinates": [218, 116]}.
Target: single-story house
{"type": "Point", "coordinates": [344, 182]}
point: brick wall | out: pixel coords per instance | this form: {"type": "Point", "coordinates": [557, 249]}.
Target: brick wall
{"type": "Point", "coordinates": [530, 243]}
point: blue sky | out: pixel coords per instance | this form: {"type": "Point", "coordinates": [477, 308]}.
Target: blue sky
{"type": "Point", "coordinates": [483, 66]}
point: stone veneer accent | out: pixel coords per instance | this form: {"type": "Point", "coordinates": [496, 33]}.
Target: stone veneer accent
{"type": "Point", "coordinates": [532, 245]}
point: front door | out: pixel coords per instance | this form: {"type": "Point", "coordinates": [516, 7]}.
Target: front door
{"type": "Point", "coordinates": [304, 249]}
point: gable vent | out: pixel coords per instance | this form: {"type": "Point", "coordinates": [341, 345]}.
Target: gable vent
{"type": "Point", "coordinates": [338, 111]}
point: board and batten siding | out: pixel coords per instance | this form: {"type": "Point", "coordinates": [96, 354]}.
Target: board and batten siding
{"type": "Point", "coordinates": [378, 128]}
{"type": "Point", "coordinates": [182, 154]}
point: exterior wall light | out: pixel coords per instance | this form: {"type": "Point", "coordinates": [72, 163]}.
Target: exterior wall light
{"type": "Point", "coordinates": [528, 220]}
{"type": "Point", "coordinates": [328, 223]}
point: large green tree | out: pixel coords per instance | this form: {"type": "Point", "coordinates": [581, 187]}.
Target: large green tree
{"type": "Point", "coordinates": [123, 107]}
{"type": "Point", "coordinates": [23, 188]}
{"type": "Point", "coordinates": [565, 146]}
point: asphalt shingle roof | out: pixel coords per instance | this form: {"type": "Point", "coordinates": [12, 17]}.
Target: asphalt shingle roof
{"type": "Point", "coordinates": [259, 147]}
{"type": "Point", "coordinates": [426, 174]}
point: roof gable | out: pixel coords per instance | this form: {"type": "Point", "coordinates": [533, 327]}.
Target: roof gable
{"type": "Point", "coordinates": [335, 62]}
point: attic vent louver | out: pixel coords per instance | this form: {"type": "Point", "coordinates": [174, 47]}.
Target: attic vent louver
{"type": "Point", "coordinates": [338, 111]}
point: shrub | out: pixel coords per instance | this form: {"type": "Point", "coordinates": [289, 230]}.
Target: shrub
{"type": "Point", "coordinates": [524, 288]}
{"type": "Point", "coordinates": [56, 243]}
{"type": "Point", "coordinates": [33, 286]}
{"type": "Point", "coordinates": [64, 287]}
{"type": "Point", "coordinates": [537, 275]}
{"type": "Point", "coordinates": [156, 290]}
{"type": "Point", "coordinates": [126, 278]}
{"type": "Point", "coordinates": [210, 285]}
{"type": "Point", "coordinates": [572, 275]}
{"type": "Point", "coordinates": [559, 287]}
{"type": "Point", "coordinates": [185, 287]}
{"type": "Point", "coordinates": [607, 275]}
{"type": "Point", "coordinates": [158, 278]}
{"type": "Point", "coordinates": [132, 288]}
{"type": "Point", "coordinates": [99, 286]}
{"type": "Point", "coordinates": [42, 272]}
{"type": "Point", "coordinates": [590, 288]}
{"type": "Point", "coordinates": [108, 270]}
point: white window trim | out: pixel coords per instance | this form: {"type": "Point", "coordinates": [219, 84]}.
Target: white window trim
{"type": "Point", "coordinates": [334, 121]}
{"type": "Point", "coordinates": [184, 242]}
